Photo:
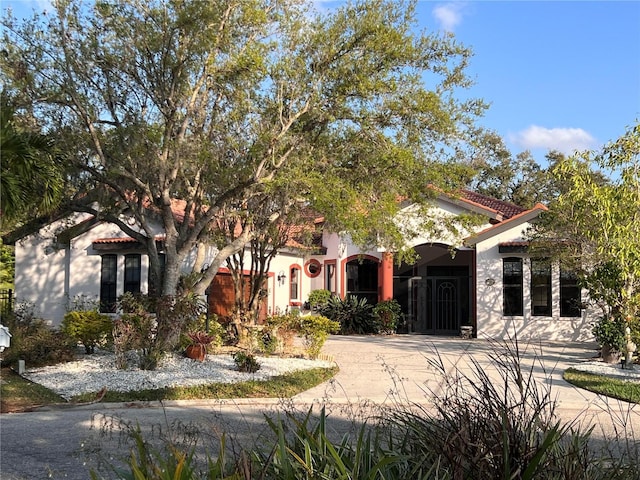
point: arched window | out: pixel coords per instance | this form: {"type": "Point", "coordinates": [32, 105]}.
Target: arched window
{"type": "Point", "coordinates": [294, 283]}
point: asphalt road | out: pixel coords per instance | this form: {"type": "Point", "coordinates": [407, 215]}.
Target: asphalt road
{"type": "Point", "coordinates": [375, 372]}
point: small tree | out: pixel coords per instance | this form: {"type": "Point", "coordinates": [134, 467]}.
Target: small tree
{"type": "Point", "coordinates": [593, 225]}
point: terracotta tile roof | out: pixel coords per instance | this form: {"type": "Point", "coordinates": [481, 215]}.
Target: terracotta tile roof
{"type": "Point", "coordinates": [120, 240]}
{"type": "Point", "coordinates": [507, 209]}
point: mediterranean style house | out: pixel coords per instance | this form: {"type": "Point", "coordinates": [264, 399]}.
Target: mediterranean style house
{"type": "Point", "coordinates": [490, 283]}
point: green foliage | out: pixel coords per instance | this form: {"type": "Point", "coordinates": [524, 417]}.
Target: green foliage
{"type": "Point", "coordinates": [315, 330]}
{"type": "Point", "coordinates": [332, 111]}
{"type": "Point", "coordinates": [246, 362]}
{"type": "Point", "coordinates": [31, 171]}
{"type": "Point", "coordinates": [388, 314]}
{"type": "Point", "coordinates": [35, 342]}
{"type": "Point", "coordinates": [593, 223]}
{"type": "Point", "coordinates": [353, 314]}
{"type": "Point", "coordinates": [89, 327]}
{"type": "Point", "coordinates": [610, 332]}
{"type": "Point", "coordinates": [138, 329]}
{"type": "Point", "coordinates": [318, 298]}
{"type": "Point", "coordinates": [303, 449]}
{"type": "Point", "coordinates": [7, 266]}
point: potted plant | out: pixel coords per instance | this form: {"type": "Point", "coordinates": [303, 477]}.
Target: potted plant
{"type": "Point", "coordinates": [609, 333]}
{"type": "Point", "coordinates": [197, 349]}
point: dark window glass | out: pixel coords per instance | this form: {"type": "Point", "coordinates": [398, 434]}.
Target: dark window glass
{"type": "Point", "coordinates": [362, 280]}
{"type": "Point", "coordinates": [108, 283]}
{"type": "Point", "coordinates": [541, 287]}
{"type": "Point", "coordinates": [570, 300]}
{"type": "Point", "coordinates": [330, 277]}
{"type": "Point", "coordinates": [512, 304]}
{"type": "Point", "coordinates": [132, 269]}
{"type": "Point", "coordinates": [294, 281]}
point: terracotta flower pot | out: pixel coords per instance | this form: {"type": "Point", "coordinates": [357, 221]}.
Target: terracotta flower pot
{"type": "Point", "coordinates": [196, 351]}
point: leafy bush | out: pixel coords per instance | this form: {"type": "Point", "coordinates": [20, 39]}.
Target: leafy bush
{"type": "Point", "coordinates": [388, 315]}
{"type": "Point", "coordinates": [246, 362]}
{"type": "Point", "coordinates": [136, 331]}
{"type": "Point", "coordinates": [315, 330]}
{"type": "Point", "coordinates": [609, 332]}
{"type": "Point", "coordinates": [89, 327]}
{"type": "Point", "coordinates": [353, 314]}
{"type": "Point", "coordinates": [318, 298]}
{"type": "Point", "coordinates": [35, 342]}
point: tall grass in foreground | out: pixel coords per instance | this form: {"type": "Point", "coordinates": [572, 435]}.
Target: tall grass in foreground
{"type": "Point", "coordinates": [472, 427]}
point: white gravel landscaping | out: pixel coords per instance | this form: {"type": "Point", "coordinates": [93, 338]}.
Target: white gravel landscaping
{"type": "Point", "coordinates": [94, 372]}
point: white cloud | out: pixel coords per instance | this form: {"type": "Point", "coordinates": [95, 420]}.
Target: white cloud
{"type": "Point", "coordinates": [449, 15]}
{"type": "Point", "coordinates": [565, 140]}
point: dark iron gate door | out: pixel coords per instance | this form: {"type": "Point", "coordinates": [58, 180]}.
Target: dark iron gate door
{"type": "Point", "coordinates": [442, 308]}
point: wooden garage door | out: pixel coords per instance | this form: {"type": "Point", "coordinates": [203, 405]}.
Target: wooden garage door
{"type": "Point", "coordinates": [222, 297]}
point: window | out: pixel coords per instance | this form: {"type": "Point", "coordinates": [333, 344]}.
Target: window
{"type": "Point", "coordinates": [541, 287]}
{"type": "Point", "coordinates": [362, 279]}
{"type": "Point", "coordinates": [570, 300]}
{"type": "Point", "coordinates": [512, 304]}
{"type": "Point", "coordinates": [330, 277]}
{"type": "Point", "coordinates": [108, 283]}
{"type": "Point", "coordinates": [294, 283]}
{"type": "Point", "coordinates": [132, 269]}
{"type": "Point", "coordinates": [312, 268]}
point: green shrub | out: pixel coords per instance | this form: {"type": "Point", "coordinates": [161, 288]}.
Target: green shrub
{"type": "Point", "coordinates": [318, 298]}
{"type": "Point", "coordinates": [315, 330]}
{"type": "Point", "coordinates": [88, 327]}
{"type": "Point", "coordinates": [388, 315]}
{"type": "Point", "coordinates": [610, 332]}
{"type": "Point", "coordinates": [34, 341]}
{"type": "Point", "coordinates": [246, 362]}
{"type": "Point", "coordinates": [354, 315]}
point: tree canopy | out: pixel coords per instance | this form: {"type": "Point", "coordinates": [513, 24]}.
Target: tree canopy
{"type": "Point", "coordinates": [593, 224]}
{"type": "Point", "coordinates": [194, 110]}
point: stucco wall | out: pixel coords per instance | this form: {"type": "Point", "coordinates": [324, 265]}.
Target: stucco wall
{"type": "Point", "coordinates": [490, 320]}
{"type": "Point", "coordinates": [41, 279]}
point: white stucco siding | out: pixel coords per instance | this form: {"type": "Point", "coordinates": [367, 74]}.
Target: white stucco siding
{"type": "Point", "coordinates": [410, 220]}
{"type": "Point", "coordinates": [41, 271]}
{"type": "Point", "coordinates": [491, 323]}
{"type": "Point", "coordinates": [279, 291]}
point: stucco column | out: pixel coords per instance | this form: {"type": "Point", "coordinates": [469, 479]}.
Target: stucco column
{"type": "Point", "coordinates": [386, 277]}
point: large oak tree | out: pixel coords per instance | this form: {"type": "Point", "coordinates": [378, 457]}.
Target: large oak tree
{"type": "Point", "coordinates": [214, 105]}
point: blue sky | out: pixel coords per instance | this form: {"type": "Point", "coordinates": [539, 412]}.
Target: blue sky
{"type": "Point", "coordinates": [558, 75]}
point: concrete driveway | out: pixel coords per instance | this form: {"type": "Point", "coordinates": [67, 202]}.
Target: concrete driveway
{"type": "Point", "coordinates": [397, 368]}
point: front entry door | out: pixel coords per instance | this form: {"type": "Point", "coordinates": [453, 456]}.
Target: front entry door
{"type": "Point", "coordinates": [442, 302]}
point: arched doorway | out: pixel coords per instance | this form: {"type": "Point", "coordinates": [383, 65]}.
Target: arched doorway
{"type": "Point", "coordinates": [435, 293]}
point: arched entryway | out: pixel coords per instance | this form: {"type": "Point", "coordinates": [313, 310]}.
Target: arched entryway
{"type": "Point", "coordinates": [435, 293]}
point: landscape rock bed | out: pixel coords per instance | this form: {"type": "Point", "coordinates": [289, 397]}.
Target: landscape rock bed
{"type": "Point", "coordinates": [90, 373]}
